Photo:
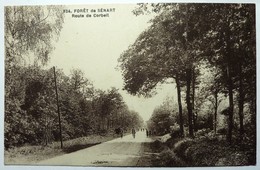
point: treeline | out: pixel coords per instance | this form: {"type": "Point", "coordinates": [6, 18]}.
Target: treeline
{"type": "Point", "coordinates": [30, 99]}
{"type": "Point", "coordinates": [165, 118]}
{"type": "Point", "coordinates": [31, 109]}
{"type": "Point", "coordinates": [186, 42]}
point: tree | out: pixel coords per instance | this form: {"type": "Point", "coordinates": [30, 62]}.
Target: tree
{"type": "Point", "coordinates": [76, 95]}
{"type": "Point", "coordinates": [228, 24]}
{"type": "Point", "coordinates": [36, 109]}
{"type": "Point", "coordinates": [151, 60]}
{"type": "Point", "coordinates": [29, 31]}
{"type": "Point", "coordinates": [246, 58]}
{"type": "Point", "coordinates": [228, 27]}
{"type": "Point", "coordinates": [211, 90]}
{"type": "Point", "coordinates": [172, 51]}
{"type": "Point", "coordinates": [161, 120]}
{"type": "Point", "coordinates": [109, 105]}
{"type": "Point", "coordinates": [80, 83]}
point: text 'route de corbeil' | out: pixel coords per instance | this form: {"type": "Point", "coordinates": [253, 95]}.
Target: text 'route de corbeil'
{"type": "Point", "coordinates": [89, 12]}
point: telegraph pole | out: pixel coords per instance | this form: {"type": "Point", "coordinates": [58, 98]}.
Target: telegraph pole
{"type": "Point", "coordinates": [58, 107]}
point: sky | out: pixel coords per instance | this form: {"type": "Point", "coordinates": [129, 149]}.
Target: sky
{"type": "Point", "coordinates": [94, 44]}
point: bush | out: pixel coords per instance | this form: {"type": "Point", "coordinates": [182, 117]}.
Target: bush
{"type": "Point", "coordinates": [172, 141]}
{"type": "Point", "coordinates": [202, 154]}
{"type": "Point", "coordinates": [176, 134]}
{"type": "Point", "coordinates": [176, 131]}
{"type": "Point", "coordinates": [203, 132]}
{"type": "Point", "coordinates": [157, 146]}
{"type": "Point", "coordinates": [222, 131]}
{"type": "Point", "coordinates": [212, 152]}
{"type": "Point", "coordinates": [102, 132]}
{"type": "Point", "coordinates": [234, 159]}
{"type": "Point", "coordinates": [181, 146]}
{"type": "Point", "coordinates": [169, 158]}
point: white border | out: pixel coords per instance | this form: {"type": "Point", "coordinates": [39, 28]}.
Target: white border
{"type": "Point", "coordinates": [71, 2]}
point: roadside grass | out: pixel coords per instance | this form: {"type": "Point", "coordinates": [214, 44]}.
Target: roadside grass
{"type": "Point", "coordinates": [199, 152]}
{"type": "Point", "coordinates": [166, 157]}
{"type": "Point", "coordinates": [32, 154]}
{"type": "Point", "coordinates": [214, 152]}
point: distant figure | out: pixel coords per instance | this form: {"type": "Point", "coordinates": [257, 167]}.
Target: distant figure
{"type": "Point", "coordinates": [121, 132]}
{"type": "Point", "coordinates": [147, 133]}
{"type": "Point", "coordinates": [133, 132]}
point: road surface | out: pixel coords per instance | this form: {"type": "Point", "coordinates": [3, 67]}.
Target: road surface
{"type": "Point", "coordinates": [124, 151]}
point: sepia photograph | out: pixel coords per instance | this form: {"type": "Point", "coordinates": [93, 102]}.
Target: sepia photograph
{"type": "Point", "coordinates": [162, 84]}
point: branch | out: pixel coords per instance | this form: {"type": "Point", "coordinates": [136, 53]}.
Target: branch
{"type": "Point", "coordinates": [29, 27]}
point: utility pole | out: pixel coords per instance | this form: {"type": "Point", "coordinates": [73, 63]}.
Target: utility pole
{"type": "Point", "coordinates": [58, 107]}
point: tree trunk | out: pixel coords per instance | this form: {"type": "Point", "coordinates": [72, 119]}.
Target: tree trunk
{"type": "Point", "coordinates": [58, 107]}
{"type": "Point", "coordinates": [229, 54]}
{"type": "Point", "coordinates": [215, 111]}
{"type": "Point", "coordinates": [112, 122]}
{"type": "Point", "coordinates": [231, 105]}
{"type": "Point", "coordinates": [193, 99]}
{"type": "Point", "coordinates": [180, 105]}
{"type": "Point", "coordinates": [241, 103]}
{"type": "Point", "coordinates": [189, 105]}
{"type": "Point", "coordinates": [108, 121]}
{"type": "Point", "coordinates": [188, 74]}
{"type": "Point", "coordinates": [102, 123]}
{"type": "Point", "coordinates": [46, 131]}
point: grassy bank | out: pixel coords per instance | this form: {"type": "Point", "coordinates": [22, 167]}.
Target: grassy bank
{"type": "Point", "coordinates": [201, 151]}
{"type": "Point", "coordinates": [31, 154]}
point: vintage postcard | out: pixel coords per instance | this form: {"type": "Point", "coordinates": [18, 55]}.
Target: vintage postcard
{"type": "Point", "coordinates": [162, 84]}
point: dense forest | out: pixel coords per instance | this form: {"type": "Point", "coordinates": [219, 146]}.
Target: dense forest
{"type": "Point", "coordinates": [31, 101]}
{"type": "Point", "coordinates": [209, 52]}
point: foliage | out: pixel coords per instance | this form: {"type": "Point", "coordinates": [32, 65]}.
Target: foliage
{"type": "Point", "coordinates": [33, 118]}
{"type": "Point", "coordinates": [31, 30]}
{"type": "Point", "coordinates": [169, 159]}
{"type": "Point", "coordinates": [175, 131]}
{"type": "Point", "coordinates": [182, 39]}
{"type": "Point", "coordinates": [220, 154]}
{"type": "Point", "coordinates": [161, 120]}
{"type": "Point", "coordinates": [30, 99]}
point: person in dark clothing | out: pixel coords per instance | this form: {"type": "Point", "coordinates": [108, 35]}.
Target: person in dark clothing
{"type": "Point", "coordinates": [133, 132]}
{"type": "Point", "coordinates": [121, 132]}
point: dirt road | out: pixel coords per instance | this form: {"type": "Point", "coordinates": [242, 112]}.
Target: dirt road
{"type": "Point", "coordinates": [124, 151]}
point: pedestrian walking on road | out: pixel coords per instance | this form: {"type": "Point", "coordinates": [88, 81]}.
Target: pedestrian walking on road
{"type": "Point", "coordinates": [133, 132]}
{"type": "Point", "coordinates": [121, 132]}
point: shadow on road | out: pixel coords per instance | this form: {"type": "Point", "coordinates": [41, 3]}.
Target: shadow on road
{"type": "Point", "coordinates": [77, 147]}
